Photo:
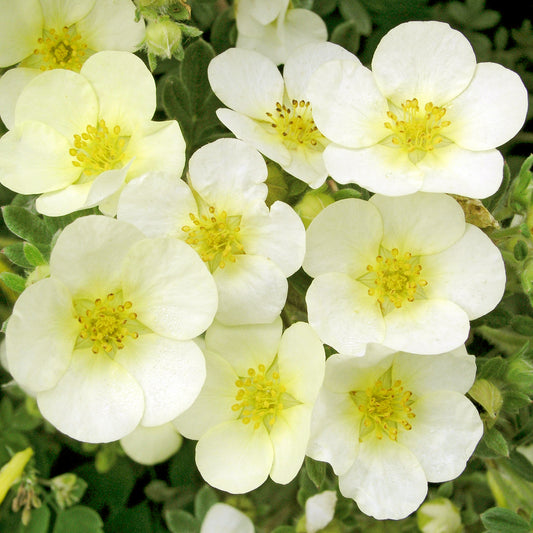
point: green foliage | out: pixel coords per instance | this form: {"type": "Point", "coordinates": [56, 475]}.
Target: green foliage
{"type": "Point", "coordinates": [499, 520]}
{"type": "Point", "coordinates": [80, 519]}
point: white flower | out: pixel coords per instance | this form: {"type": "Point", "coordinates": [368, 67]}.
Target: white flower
{"type": "Point", "coordinates": [275, 28]}
{"type": "Point", "coordinates": [47, 34]}
{"type": "Point", "coordinates": [407, 272]}
{"type": "Point", "coordinates": [319, 510]}
{"type": "Point", "coordinates": [389, 424]}
{"type": "Point", "coordinates": [105, 343]}
{"type": "Point", "coordinates": [272, 112]}
{"type": "Point", "coordinates": [223, 517]}
{"type": "Point", "coordinates": [77, 138]}
{"type": "Point", "coordinates": [249, 249]}
{"type": "Point", "coordinates": [425, 118]}
{"type": "Point", "coordinates": [253, 414]}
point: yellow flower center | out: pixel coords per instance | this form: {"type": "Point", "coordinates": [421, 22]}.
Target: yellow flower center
{"type": "Point", "coordinates": [395, 278]}
{"type": "Point", "coordinates": [417, 130]}
{"type": "Point", "coordinates": [215, 236]}
{"type": "Point", "coordinates": [61, 49]}
{"type": "Point", "coordinates": [385, 409]}
{"type": "Point", "coordinates": [259, 397]}
{"type": "Point", "coordinates": [295, 125]}
{"type": "Point", "coordinates": [98, 149]}
{"type": "Point", "coordinates": [106, 323]}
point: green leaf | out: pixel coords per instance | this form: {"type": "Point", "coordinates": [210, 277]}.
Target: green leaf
{"type": "Point", "coordinates": [495, 441]}
{"type": "Point", "coordinates": [520, 250]}
{"type": "Point", "coordinates": [39, 521]}
{"type": "Point", "coordinates": [15, 253]}
{"type": "Point", "coordinates": [316, 470]}
{"type": "Point", "coordinates": [223, 31]}
{"type": "Point", "coordinates": [522, 324]}
{"type": "Point", "coordinates": [33, 255]}
{"type": "Point", "coordinates": [80, 519]}
{"type": "Point", "coordinates": [486, 19]}
{"type": "Point", "coordinates": [176, 103]}
{"type": "Point", "coordinates": [284, 529]}
{"type": "Point", "coordinates": [347, 35]}
{"type": "Point", "coordinates": [23, 420]}
{"type": "Point", "coordinates": [26, 225]}
{"type": "Point", "coordinates": [493, 369]}
{"type": "Point", "coordinates": [354, 11]}
{"type": "Point", "coordinates": [324, 7]}
{"type": "Point", "coordinates": [13, 281]}
{"type": "Point", "coordinates": [500, 520]}
{"type": "Point", "coordinates": [205, 498]}
{"type": "Point", "coordinates": [521, 464]}
{"type": "Point", "coordinates": [179, 521]}
{"type": "Point", "coordinates": [514, 400]}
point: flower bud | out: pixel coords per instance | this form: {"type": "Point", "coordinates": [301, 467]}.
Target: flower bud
{"type": "Point", "coordinates": [162, 38]}
{"type": "Point", "coordinates": [439, 516]}
{"type": "Point", "coordinates": [311, 204]}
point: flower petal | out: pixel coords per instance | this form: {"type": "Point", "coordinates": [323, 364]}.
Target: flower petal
{"type": "Point", "coordinates": [257, 79]}
{"type": "Point", "coordinates": [12, 83]}
{"type": "Point", "coordinates": [59, 13]}
{"type": "Point", "coordinates": [41, 334]}
{"type": "Point", "coordinates": [235, 457]}
{"type": "Point", "coordinates": [470, 273]}
{"type": "Point", "coordinates": [227, 516]}
{"type": "Point", "coordinates": [65, 201]}
{"type": "Point", "coordinates": [490, 111]}
{"type": "Point", "coordinates": [104, 402]}
{"type": "Point", "coordinates": [170, 373]}
{"type": "Point", "coordinates": [425, 60]}
{"type": "Point", "coordinates": [171, 289]}
{"type": "Point", "coordinates": [445, 432]}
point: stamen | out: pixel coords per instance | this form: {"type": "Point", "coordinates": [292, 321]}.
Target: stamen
{"type": "Point", "coordinates": [61, 49]}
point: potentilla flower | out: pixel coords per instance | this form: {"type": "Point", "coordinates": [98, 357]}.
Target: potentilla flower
{"type": "Point", "coordinates": [253, 414]}
{"type": "Point", "coordinates": [77, 138]}
{"type": "Point", "coordinates": [249, 249]}
{"type": "Point", "coordinates": [388, 424]}
{"type": "Point", "coordinates": [406, 272]}
{"type": "Point", "coordinates": [272, 112]}
{"type": "Point", "coordinates": [276, 28]}
{"type": "Point", "coordinates": [105, 343]}
{"type": "Point", "coordinates": [223, 517]}
{"type": "Point", "coordinates": [42, 35]}
{"type": "Point", "coordinates": [426, 117]}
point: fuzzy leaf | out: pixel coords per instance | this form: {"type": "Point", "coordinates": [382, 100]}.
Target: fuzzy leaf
{"type": "Point", "coordinates": [26, 225]}
{"type": "Point", "coordinates": [500, 520]}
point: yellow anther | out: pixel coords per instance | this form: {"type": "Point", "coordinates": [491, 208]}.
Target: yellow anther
{"type": "Point", "coordinates": [61, 49]}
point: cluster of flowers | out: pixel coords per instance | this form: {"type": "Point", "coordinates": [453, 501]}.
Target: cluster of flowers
{"type": "Point", "coordinates": [161, 316]}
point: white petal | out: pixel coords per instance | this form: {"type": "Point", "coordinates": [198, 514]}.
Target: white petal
{"type": "Point", "coordinates": [170, 373]}
{"type": "Point", "coordinates": [490, 111]}
{"type": "Point", "coordinates": [65, 201]}
{"type": "Point", "coordinates": [264, 40]}
{"type": "Point", "coordinates": [234, 457]}
{"type": "Point", "coordinates": [20, 26]}
{"type": "Point", "coordinates": [386, 480]}
{"type": "Point", "coordinates": [124, 86]}
{"type": "Point", "coordinates": [227, 516]}
{"type": "Point", "coordinates": [304, 60]}
{"type": "Point", "coordinates": [158, 204]}
{"type": "Point", "coordinates": [88, 254]}
{"type": "Point", "coordinates": [420, 223]}
{"type": "Point", "coordinates": [12, 83]}
{"type": "Point", "coordinates": [452, 371]}
{"type": "Point", "coordinates": [278, 235]}
{"type": "Point", "coordinates": [343, 314]}
{"type": "Point", "coordinates": [59, 13]}
{"type": "Point", "coordinates": [171, 289]}
{"type": "Point", "coordinates": [319, 510]}
{"type": "Point", "coordinates": [347, 105]}
{"type": "Point", "coordinates": [246, 81]}
{"type": "Point", "coordinates": [344, 237]}
{"type": "Point", "coordinates": [262, 12]}
{"type": "Point", "coordinates": [252, 290]}
{"type": "Point", "coordinates": [425, 60]}
{"type": "Point", "coordinates": [228, 174]}
{"type": "Point", "coordinates": [105, 185]}
{"type": "Point", "coordinates": [149, 446]}
{"type": "Point", "coordinates": [104, 402]}
{"type": "Point", "coordinates": [445, 432]}
{"type": "Point", "coordinates": [455, 170]}
{"type": "Point", "coordinates": [111, 25]}
{"type": "Point", "coordinates": [308, 165]}
{"type": "Point", "coordinates": [379, 168]}
{"type": "Point", "coordinates": [301, 362]}
{"type": "Point", "coordinates": [426, 327]}
{"type": "Point", "coordinates": [470, 273]}
{"type": "Point", "coordinates": [41, 334]}
{"type": "Point", "coordinates": [289, 435]}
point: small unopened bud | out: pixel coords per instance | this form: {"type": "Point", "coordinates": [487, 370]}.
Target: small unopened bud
{"type": "Point", "coordinates": [311, 204]}
{"type": "Point", "coordinates": [439, 516]}
{"type": "Point", "coordinates": [162, 38]}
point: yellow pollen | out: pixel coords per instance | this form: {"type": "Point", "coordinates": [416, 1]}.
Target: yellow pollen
{"type": "Point", "coordinates": [215, 236]}
{"type": "Point", "coordinates": [259, 397]}
{"type": "Point", "coordinates": [106, 323]}
{"type": "Point", "coordinates": [295, 125]}
{"type": "Point", "coordinates": [98, 149]}
{"type": "Point", "coordinates": [61, 49]}
{"type": "Point", "coordinates": [385, 409]}
{"type": "Point", "coordinates": [395, 277]}
{"type": "Point", "coordinates": [417, 130]}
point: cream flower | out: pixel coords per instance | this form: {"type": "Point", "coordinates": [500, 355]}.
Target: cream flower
{"type": "Point", "coordinates": [275, 28]}
{"type": "Point", "coordinates": [249, 249]}
{"type": "Point", "coordinates": [388, 424]}
{"type": "Point", "coordinates": [406, 272]}
{"type": "Point", "coordinates": [105, 343]}
{"type": "Point", "coordinates": [223, 517]}
{"type": "Point", "coordinates": [253, 414]}
{"type": "Point", "coordinates": [425, 118]}
{"type": "Point", "coordinates": [46, 34]}
{"type": "Point", "coordinates": [319, 510]}
{"type": "Point", "coordinates": [272, 112]}
{"type": "Point", "coordinates": [77, 138]}
{"type": "Point", "coordinates": [152, 445]}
